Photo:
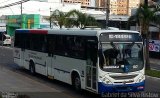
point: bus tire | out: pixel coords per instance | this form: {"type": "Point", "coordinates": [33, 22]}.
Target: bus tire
{"type": "Point", "coordinates": [32, 67]}
{"type": "Point", "coordinates": [77, 83]}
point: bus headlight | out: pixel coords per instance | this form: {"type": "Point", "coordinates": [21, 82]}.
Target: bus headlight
{"type": "Point", "coordinates": [105, 80]}
{"type": "Point", "coordinates": [141, 78]}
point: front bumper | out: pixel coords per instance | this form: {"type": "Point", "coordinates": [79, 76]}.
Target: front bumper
{"type": "Point", "coordinates": [110, 88]}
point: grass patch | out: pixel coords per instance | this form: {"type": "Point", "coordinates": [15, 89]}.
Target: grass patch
{"type": "Point", "coordinates": [153, 73]}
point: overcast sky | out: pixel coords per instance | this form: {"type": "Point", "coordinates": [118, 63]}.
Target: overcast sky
{"type": "Point", "coordinates": [35, 7]}
{"type": "Point", "coordinates": [42, 8]}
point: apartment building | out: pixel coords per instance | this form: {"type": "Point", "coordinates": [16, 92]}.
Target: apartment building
{"type": "Point", "coordinates": [113, 7]}
{"type": "Point", "coordinates": [116, 7]}
{"type": "Point", "coordinates": [132, 4]}
{"type": "Point", "coordinates": [100, 3]}
{"type": "Point", "coordinates": [120, 7]}
{"type": "Point", "coordinates": [85, 3]}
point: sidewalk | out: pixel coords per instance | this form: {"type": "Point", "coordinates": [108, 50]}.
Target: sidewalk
{"type": "Point", "coordinates": [155, 64]}
{"type": "Point", "coordinates": [154, 61]}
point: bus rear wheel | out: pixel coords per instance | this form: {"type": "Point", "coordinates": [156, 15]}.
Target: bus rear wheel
{"type": "Point", "coordinates": [77, 83]}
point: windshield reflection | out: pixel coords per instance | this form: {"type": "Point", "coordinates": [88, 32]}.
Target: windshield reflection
{"type": "Point", "coordinates": [121, 54]}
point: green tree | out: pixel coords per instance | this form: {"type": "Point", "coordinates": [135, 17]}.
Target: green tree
{"type": "Point", "coordinates": [144, 16]}
{"type": "Point", "coordinates": [156, 22]}
{"type": "Point", "coordinates": [58, 16]}
{"type": "Point", "coordinates": [82, 20]}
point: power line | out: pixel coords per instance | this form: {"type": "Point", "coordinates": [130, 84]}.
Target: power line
{"type": "Point", "coordinates": [15, 3]}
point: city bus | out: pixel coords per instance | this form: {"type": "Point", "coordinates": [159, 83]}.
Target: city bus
{"type": "Point", "coordinates": [99, 61]}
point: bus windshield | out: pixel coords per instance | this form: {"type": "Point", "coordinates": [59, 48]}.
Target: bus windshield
{"type": "Point", "coordinates": [121, 57]}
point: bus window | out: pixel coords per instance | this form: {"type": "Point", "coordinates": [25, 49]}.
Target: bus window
{"type": "Point", "coordinates": [92, 52]}
{"type": "Point", "coordinates": [60, 45]}
{"type": "Point", "coordinates": [19, 41]}
{"type": "Point", "coordinates": [51, 44]}
{"type": "Point", "coordinates": [75, 47]}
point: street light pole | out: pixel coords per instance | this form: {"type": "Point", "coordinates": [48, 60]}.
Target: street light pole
{"type": "Point", "coordinates": [50, 19]}
{"type": "Point", "coordinates": [21, 16]}
{"type": "Point", "coordinates": [107, 12]}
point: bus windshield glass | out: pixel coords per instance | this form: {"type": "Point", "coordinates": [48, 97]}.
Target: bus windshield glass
{"type": "Point", "coordinates": [121, 57]}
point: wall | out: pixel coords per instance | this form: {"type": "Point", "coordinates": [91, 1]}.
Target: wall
{"type": "Point", "coordinates": [26, 21]}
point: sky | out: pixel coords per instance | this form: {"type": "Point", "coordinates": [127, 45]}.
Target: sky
{"type": "Point", "coordinates": [42, 8]}
{"type": "Point", "coordinates": [35, 7]}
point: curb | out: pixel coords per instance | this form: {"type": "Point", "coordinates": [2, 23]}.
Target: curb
{"type": "Point", "coordinates": [155, 69]}
{"type": "Point", "coordinates": [152, 77]}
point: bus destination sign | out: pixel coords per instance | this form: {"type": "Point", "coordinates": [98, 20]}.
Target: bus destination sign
{"type": "Point", "coordinates": [120, 36]}
{"type": "Point", "coordinates": [130, 37]}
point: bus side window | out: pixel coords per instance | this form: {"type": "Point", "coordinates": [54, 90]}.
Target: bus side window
{"type": "Point", "coordinates": [44, 44]}
{"type": "Point", "coordinates": [92, 52]}
{"type": "Point", "coordinates": [60, 45]}
{"type": "Point", "coordinates": [51, 45]}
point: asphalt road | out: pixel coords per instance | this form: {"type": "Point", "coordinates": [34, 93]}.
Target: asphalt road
{"type": "Point", "coordinates": [14, 79]}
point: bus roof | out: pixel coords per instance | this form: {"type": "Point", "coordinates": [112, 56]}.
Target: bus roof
{"type": "Point", "coordinates": [72, 31]}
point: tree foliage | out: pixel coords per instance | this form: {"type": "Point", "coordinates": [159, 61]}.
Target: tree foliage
{"type": "Point", "coordinates": [59, 17]}
{"type": "Point", "coordinates": [82, 19]}
{"type": "Point", "coordinates": [144, 16]}
{"type": "Point", "coordinates": [73, 18]}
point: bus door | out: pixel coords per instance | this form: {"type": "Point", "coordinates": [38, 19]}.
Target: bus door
{"type": "Point", "coordinates": [91, 70]}
{"type": "Point", "coordinates": [50, 56]}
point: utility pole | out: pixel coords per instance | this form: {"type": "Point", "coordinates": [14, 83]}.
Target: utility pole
{"type": "Point", "coordinates": [50, 18]}
{"type": "Point", "coordinates": [107, 12]}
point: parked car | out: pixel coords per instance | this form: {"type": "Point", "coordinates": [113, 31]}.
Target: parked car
{"type": "Point", "coordinates": [5, 39]}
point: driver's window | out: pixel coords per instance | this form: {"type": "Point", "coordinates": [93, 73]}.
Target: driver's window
{"type": "Point", "coordinates": [108, 55]}
{"type": "Point", "coordinates": [135, 50]}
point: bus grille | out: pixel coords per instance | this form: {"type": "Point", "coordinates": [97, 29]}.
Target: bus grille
{"type": "Point", "coordinates": [123, 77]}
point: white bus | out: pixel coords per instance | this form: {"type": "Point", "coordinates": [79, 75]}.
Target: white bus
{"type": "Point", "coordinates": [99, 61]}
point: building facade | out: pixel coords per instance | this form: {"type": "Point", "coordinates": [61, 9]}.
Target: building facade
{"type": "Point", "coordinates": [100, 3]}
{"type": "Point", "coordinates": [26, 21]}
{"type": "Point", "coordinates": [3, 20]}
{"type": "Point", "coordinates": [122, 7]}
{"type": "Point", "coordinates": [116, 7]}
{"type": "Point", "coordinates": [119, 7]}
{"type": "Point", "coordinates": [84, 3]}
{"type": "Point", "coordinates": [132, 4]}
{"type": "Point", "coordinates": [113, 7]}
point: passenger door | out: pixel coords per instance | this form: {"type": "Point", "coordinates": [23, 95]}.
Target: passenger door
{"type": "Point", "coordinates": [50, 57]}
{"type": "Point", "coordinates": [91, 69]}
